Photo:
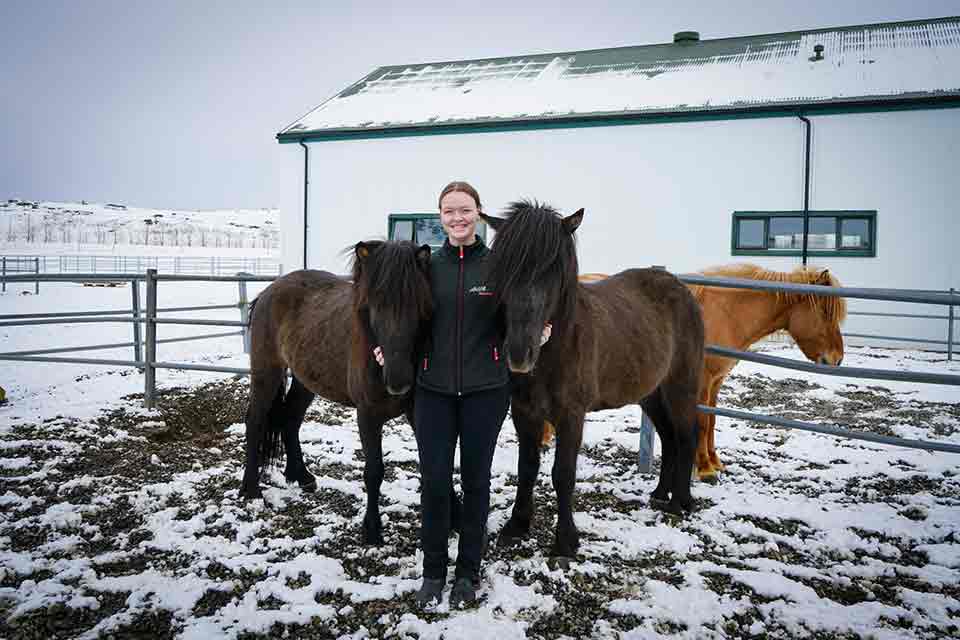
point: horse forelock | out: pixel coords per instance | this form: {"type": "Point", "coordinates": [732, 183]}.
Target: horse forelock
{"type": "Point", "coordinates": [833, 308]}
{"type": "Point", "coordinates": [533, 248]}
{"type": "Point", "coordinates": [390, 278]}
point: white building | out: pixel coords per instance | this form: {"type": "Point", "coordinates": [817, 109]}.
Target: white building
{"type": "Point", "coordinates": [688, 154]}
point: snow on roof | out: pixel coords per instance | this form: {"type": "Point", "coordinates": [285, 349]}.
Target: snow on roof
{"type": "Point", "coordinates": [886, 61]}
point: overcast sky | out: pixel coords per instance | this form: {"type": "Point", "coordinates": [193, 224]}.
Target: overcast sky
{"type": "Point", "coordinates": [175, 104]}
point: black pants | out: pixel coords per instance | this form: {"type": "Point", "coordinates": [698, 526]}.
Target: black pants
{"type": "Point", "coordinates": [440, 419]}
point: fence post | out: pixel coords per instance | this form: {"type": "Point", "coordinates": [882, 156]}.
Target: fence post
{"type": "Point", "coordinates": [137, 347]}
{"type": "Point", "coordinates": [647, 430]}
{"type": "Point", "coordinates": [645, 452]}
{"type": "Point", "coordinates": [36, 269]}
{"type": "Point", "coordinates": [150, 373]}
{"type": "Point", "coordinates": [244, 312]}
{"type": "Point", "coordinates": [950, 327]}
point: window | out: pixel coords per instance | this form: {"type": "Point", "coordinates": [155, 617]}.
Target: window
{"type": "Point", "coordinates": [830, 233]}
{"type": "Point", "coordinates": [422, 228]}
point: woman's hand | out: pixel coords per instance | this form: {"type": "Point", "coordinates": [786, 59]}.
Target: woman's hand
{"type": "Point", "coordinates": [378, 355]}
{"type": "Point", "coordinates": [547, 330]}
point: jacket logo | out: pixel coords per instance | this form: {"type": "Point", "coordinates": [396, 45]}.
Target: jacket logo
{"type": "Point", "coordinates": [481, 290]}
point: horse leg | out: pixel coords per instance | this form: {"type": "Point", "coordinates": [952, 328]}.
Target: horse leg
{"type": "Point", "coordinates": [295, 408]}
{"type": "Point", "coordinates": [711, 445]}
{"type": "Point", "coordinates": [371, 438]}
{"type": "Point", "coordinates": [529, 435]}
{"type": "Point", "coordinates": [704, 468]}
{"type": "Point", "coordinates": [266, 399]}
{"type": "Point", "coordinates": [569, 437]}
{"type": "Point", "coordinates": [681, 404]}
{"type": "Point", "coordinates": [653, 406]}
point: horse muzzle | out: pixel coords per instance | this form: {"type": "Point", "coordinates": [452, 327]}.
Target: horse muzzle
{"type": "Point", "coordinates": [523, 362]}
{"type": "Point", "coordinates": [398, 391]}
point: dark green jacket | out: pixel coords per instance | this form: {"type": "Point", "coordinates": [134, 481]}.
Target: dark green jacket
{"type": "Point", "coordinates": [464, 353]}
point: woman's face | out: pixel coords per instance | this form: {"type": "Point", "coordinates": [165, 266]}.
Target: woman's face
{"type": "Point", "coordinates": [459, 215]}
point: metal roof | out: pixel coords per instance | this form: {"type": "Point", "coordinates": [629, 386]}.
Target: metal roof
{"type": "Point", "coordinates": [888, 63]}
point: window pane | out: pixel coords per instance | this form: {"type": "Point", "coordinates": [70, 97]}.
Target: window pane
{"type": "Point", "coordinates": [823, 234]}
{"type": "Point", "coordinates": [855, 233]}
{"type": "Point", "coordinates": [402, 230]}
{"type": "Point", "coordinates": [750, 234]}
{"type": "Point", "coordinates": [786, 234]}
{"type": "Point", "coordinates": [429, 231]}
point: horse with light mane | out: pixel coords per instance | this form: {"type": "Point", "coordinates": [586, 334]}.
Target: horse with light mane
{"type": "Point", "coordinates": [737, 318]}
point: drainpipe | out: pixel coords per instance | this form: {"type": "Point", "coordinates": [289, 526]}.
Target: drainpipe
{"type": "Point", "coordinates": [806, 188]}
{"type": "Point", "coordinates": [306, 184]}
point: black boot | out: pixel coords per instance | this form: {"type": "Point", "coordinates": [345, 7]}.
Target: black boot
{"type": "Point", "coordinates": [430, 591]}
{"type": "Point", "coordinates": [464, 593]}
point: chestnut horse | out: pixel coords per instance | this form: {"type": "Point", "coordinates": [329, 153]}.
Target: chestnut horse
{"type": "Point", "coordinates": [323, 328]}
{"type": "Point", "coordinates": [737, 318]}
{"type": "Point", "coordinates": [635, 337]}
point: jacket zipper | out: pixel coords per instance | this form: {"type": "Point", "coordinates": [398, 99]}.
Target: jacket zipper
{"type": "Point", "coordinates": [459, 349]}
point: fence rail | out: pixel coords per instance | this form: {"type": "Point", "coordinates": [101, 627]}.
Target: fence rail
{"type": "Point", "coordinates": [86, 264]}
{"type": "Point", "coordinates": [145, 356]}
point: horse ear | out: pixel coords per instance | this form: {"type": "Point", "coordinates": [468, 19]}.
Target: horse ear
{"type": "Point", "coordinates": [362, 250]}
{"type": "Point", "coordinates": [495, 223]}
{"type": "Point", "coordinates": [423, 256]}
{"type": "Point", "coordinates": [824, 277]}
{"type": "Point", "coordinates": [572, 222]}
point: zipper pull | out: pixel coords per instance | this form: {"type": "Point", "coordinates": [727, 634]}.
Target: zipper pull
{"type": "Point", "coordinates": [425, 363]}
{"type": "Point", "coordinates": [496, 355]}
{"type": "Point", "coordinates": [461, 252]}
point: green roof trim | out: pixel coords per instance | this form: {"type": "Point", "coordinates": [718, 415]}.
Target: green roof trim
{"type": "Point", "coordinates": [944, 102]}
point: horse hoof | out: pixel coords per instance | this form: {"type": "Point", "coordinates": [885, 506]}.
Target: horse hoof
{"type": "Point", "coordinates": [708, 477]}
{"type": "Point", "coordinates": [559, 562]}
{"type": "Point", "coordinates": [310, 486]}
{"type": "Point", "coordinates": [251, 494]}
{"type": "Point", "coordinates": [658, 503]}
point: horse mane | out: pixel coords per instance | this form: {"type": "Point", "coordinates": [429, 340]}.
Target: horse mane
{"type": "Point", "coordinates": [533, 246]}
{"type": "Point", "coordinates": [390, 278]}
{"type": "Point", "coordinates": [834, 308]}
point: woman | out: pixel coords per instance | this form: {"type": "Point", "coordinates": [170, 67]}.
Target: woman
{"type": "Point", "coordinates": [462, 393]}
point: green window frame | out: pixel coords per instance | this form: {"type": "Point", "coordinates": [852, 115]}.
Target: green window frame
{"type": "Point", "coordinates": [745, 225]}
{"type": "Point", "coordinates": [398, 218]}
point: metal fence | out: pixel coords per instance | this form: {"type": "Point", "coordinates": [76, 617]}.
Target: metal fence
{"type": "Point", "coordinates": [192, 265]}
{"type": "Point", "coordinates": [145, 350]}
{"type": "Point", "coordinates": [19, 264]}
{"type": "Point", "coordinates": [144, 347]}
{"type": "Point", "coordinates": [948, 320]}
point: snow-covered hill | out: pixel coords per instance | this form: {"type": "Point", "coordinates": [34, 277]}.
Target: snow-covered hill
{"type": "Point", "coordinates": [55, 227]}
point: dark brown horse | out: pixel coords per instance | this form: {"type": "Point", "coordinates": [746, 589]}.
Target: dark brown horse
{"type": "Point", "coordinates": [633, 338]}
{"type": "Point", "coordinates": [323, 329]}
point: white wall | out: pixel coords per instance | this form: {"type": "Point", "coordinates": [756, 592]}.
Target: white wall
{"type": "Point", "coordinates": [665, 193]}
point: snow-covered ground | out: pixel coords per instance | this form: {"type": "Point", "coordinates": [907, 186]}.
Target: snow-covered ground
{"type": "Point", "coordinates": [121, 522]}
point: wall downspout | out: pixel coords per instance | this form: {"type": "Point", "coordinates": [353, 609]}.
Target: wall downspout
{"type": "Point", "coordinates": [306, 184]}
{"type": "Point", "coordinates": [806, 188]}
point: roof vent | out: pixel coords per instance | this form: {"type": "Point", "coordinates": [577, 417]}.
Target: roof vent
{"type": "Point", "coordinates": [817, 53]}
{"type": "Point", "coordinates": [686, 37]}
